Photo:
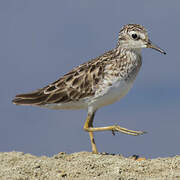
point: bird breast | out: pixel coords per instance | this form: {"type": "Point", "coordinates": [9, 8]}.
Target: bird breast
{"type": "Point", "coordinates": [117, 81]}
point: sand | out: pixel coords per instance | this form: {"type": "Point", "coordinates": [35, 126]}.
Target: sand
{"type": "Point", "coordinates": [85, 165]}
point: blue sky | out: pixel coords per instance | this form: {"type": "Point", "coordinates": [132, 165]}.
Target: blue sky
{"type": "Point", "coordinates": [42, 40]}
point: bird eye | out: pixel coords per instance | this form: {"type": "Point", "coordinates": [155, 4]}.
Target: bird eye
{"type": "Point", "coordinates": [134, 36]}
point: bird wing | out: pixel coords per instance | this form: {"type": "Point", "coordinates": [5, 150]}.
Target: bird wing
{"type": "Point", "coordinates": [79, 83]}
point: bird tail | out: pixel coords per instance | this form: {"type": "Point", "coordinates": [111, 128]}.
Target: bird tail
{"type": "Point", "coordinates": [33, 98]}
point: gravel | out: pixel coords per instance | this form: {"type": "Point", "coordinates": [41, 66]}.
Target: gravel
{"type": "Point", "coordinates": [86, 166]}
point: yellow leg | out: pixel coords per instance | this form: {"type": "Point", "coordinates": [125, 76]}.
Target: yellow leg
{"type": "Point", "coordinates": [115, 128]}
{"type": "Point", "coordinates": [88, 126]}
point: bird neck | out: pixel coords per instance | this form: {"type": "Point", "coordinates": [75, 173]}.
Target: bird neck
{"type": "Point", "coordinates": [125, 51]}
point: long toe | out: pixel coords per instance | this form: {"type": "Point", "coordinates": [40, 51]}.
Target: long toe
{"type": "Point", "coordinates": [127, 131]}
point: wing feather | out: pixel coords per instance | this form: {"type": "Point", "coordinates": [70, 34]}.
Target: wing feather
{"type": "Point", "coordinates": [79, 83]}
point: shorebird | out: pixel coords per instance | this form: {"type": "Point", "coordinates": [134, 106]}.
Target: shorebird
{"type": "Point", "coordinates": [98, 82]}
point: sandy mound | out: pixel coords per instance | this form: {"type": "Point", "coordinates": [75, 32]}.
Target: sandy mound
{"type": "Point", "coordinates": [85, 165]}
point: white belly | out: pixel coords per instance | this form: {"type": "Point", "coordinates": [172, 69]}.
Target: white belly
{"type": "Point", "coordinates": [112, 94]}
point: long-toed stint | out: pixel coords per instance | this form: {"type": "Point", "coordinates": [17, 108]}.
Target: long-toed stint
{"type": "Point", "coordinates": [98, 82]}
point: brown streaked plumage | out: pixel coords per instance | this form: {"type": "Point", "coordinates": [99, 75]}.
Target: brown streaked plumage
{"type": "Point", "coordinates": [79, 83]}
{"type": "Point", "coordinates": [98, 82]}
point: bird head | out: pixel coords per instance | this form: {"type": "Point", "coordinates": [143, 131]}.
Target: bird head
{"type": "Point", "coordinates": [134, 36]}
